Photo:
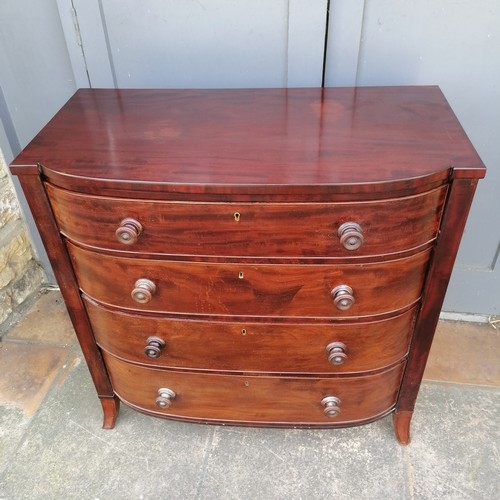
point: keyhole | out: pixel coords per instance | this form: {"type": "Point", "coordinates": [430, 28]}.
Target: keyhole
{"type": "Point", "coordinates": [241, 275]}
{"type": "Point", "coordinates": [237, 216]}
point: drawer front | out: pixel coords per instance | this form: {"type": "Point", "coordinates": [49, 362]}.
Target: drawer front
{"type": "Point", "coordinates": [251, 290]}
{"type": "Point", "coordinates": [255, 399]}
{"type": "Point", "coordinates": [258, 347]}
{"type": "Point", "coordinates": [248, 229]}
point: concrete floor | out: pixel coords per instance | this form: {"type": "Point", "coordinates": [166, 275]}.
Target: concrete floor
{"type": "Point", "coordinates": [52, 446]}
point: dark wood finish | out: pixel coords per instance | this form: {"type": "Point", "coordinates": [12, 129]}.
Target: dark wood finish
{"type": "Point", "coordinates": [127, 233]}
{"type": "Point", "coordinates": [268, 229]}
{"type": "Point", "coordinates": [61, 265]}
{"type": "Point", "coordinates": [110, 409]}
{"type": "Point", "coordinates": [336, 353]}
{"type": "Point", "coordinates": [401, 420]}
{"type": "Point", "coordinates": [251, 289]}
{"type": "Point", "coordinates": [250, 346]}
{"type": "Point", "coordinates": [455, 217]}
{"type": "Point", "coordinates": [154, 347]}
{"type": "Point", "coordinates": [265, 140]}
{"type": "Point", "coordinates": [254, 256]}
{"type": "Point", "coordinates": [144, 290]}
{"type": "Point", "coordinates": [251, 399]}
{"type": "Point", "coordinates": [243, 193]}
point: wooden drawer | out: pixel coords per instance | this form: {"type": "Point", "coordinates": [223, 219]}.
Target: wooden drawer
{"type": "Point", "coordinates": [249, 229]}
{"type": "Point", "coordinates": [257, 347]}
{"type": "Point", "coordinates": [248, 289]}
{"type": "Point", "coordinates": [256, 399]}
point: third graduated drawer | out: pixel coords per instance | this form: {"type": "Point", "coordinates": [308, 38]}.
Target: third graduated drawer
{"type": "Point", "coordinates": [242, 289]}
{"type": "Point", "coordinates": [234, 229]}
{"type": "Point", "coordinates": [231, 346]}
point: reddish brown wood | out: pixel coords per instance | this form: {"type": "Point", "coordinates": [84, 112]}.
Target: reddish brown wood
{"type": "Point", "coordinates": [63, 271]}
{"type": "Point", "coordinates": [337, 353]}
{"type": "Point", "coordinates": [206, 222]}
{"type": "Point", "coordinates": [401, 420]}
{"type": "Point", "coordinates": [268, 229]}
{"type": "Point", "coordinates": [250, 346]}
{"type": "Point", "coordinates": [243, 193]}
{"type": "Point", "coordinates": [251, 289]}
{"type": "Point", "coordinates": [247, 398]}
{"type": "Point", "coordinates": [154, 347]}
{"type": "Point", "coordinates": [110, 408]}
{"type": "Point", "coordinates": [454, 219]}
{"type": "Point", "coordinates": [144, 291]}
{"type": "Point", "coordinates": [272, 139]}
{"type": "Point", "coordinates": [128, 230]}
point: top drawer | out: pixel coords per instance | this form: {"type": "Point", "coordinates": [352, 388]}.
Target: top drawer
{"type": "Point", "coordinates": [249, 229]}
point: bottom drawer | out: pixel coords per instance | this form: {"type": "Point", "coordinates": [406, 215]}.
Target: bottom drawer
{"type": "Point", "coordinates": [257, 400]}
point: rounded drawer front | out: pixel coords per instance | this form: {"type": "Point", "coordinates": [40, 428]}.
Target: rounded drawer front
{"type": "Point", "coordinates": [249, 229]}
{"type": "Point", "coordinates": [255, 399]}
{"type": "Point", "coordinates": [347, 290]}
{"type": "Point", "coordinates": [257, 347]}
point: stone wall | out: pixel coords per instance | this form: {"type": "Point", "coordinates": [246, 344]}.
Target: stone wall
{"type": "Point", "coordinates": [20, 274]}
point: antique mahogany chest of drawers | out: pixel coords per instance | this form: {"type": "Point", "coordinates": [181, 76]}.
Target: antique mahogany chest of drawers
{"type": "Point", "coordinates": [273, 257]}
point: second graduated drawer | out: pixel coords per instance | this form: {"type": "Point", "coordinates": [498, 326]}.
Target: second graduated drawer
{"type": "Point", "coordinates": [342, 229]}
{"type": "Point", "coordinates": [250, 346]}
{"type": "Point", "coordinates": [239, 289]}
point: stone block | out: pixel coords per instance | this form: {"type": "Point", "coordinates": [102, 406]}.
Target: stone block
{"type": "Point", "coordinates": [9, 207]}
{"type": "Point", "coordinates": [20, 274]}
{"type": "Point", "coordinates": [15, 253]}
{"type": "Point", "coordinates": [29, 282]}
{"type": "Point", "coordinates": [6, 308]}
{"type": "Point", "coordinates": [15, 293]}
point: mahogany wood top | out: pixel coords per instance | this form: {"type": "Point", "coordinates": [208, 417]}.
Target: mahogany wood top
{"type": "Point", "coordinates": [222, 140]}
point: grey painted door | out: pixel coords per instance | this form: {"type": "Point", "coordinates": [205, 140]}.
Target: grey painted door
{"type": "Point", "coordinates": [36, 78]}
{"type": "Point", "coordinates": [195, 43]}
{"type": "Point", "coordinates": [454, 45]}
{"type": "Point", "coordinates": [50, 49]}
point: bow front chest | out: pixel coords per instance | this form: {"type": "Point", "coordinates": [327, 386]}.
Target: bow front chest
{"type": "Point", "coordinates": [273, 257]}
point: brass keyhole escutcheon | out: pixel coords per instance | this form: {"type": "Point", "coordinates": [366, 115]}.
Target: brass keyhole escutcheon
{"type": "Point", "coordinates": [241, 275]}
{"type": "Point", "coordinates": [237, 216]}
{"type": "Point", "coordinates": [243, 331]}
{"type": "Point", "coordinates": [246, 383]}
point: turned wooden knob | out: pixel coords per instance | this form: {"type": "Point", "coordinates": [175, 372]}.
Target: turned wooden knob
{"type": "Point", "coordinates": [165, 397]}
{"type": "Point", "coordinates": [343, 297]}
{"type": "Point", "coordinates": [336, 353]}
{"type": "Point", "coordinates": [128, 231]}
{"type": "Point", "coordinates": [351, 235]}
{"type": "Point", "coordinates": [154, 346]}
{"type": "Point", "coordinates": [143, 291]}
{"type": "Point", "coordinates": [331, 404]}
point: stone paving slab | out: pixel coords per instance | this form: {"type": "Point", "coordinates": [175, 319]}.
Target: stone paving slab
{"type": "Point", "coordinates": [453, 455]}
{"type": "Point", "coordinates": [465, 353]}
{"type": "Point", "coordinates": [455, 448]}
{"type": "Point", "coordinates": [52, 445]}
{"type": "Point", "coordinates": [45, 322]}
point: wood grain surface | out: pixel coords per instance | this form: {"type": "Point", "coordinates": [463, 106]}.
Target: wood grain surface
{"type": "Point", "coordinates": [231, 251]}
{"type": "Point", "coordinates": [257, 229]}
{"type": "Point", "coordinates": [256, 399]}
{"type": "Point", "coordinates": [251, 289]}
{"type": "Point", "coordinates": [252, 346]}
{"type": "Point", "coordinates": [258, 140]}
